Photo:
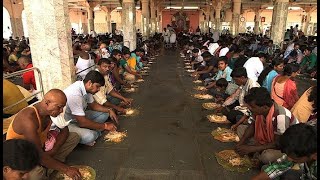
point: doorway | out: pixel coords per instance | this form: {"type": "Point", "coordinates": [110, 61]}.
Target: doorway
{"type": "Point", "coordinates": [113, 27]}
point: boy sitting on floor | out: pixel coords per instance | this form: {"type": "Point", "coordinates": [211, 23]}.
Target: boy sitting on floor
{"type": "Point", "coordinates": [223, 89]}
{"type": "Point", "coordinates": [299, 143]}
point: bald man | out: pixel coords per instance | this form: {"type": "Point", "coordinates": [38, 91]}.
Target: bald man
{"type": "Point", "coordinates": [33, 124]}
{"type": "Point", "coordinates": [29, 82]}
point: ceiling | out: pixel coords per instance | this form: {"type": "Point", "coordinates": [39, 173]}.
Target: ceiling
{"type": "Point", "coordinates": [202, 4]}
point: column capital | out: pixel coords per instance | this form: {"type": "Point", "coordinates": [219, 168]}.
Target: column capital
{"type": "Point", "coordinates": [93, 4]}
{"type": "Point", "coordinates": [127, 1]}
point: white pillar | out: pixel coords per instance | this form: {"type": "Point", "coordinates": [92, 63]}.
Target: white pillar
{"type": "Point", "coordinates": [257, 21]}
{"type": "Point", "coordinates": [90, 19]}
{"type": "Point", "coordinates": [153, 17]}
{"type": "Point", "coordinates": [129, 20]}
{"type": "Point", "coordinates": [145, 21]}
{"type": "Point", "coordinates": [50, 42]}
{"type": "Point", "coordinates": [279, 20]}
{"type": "Point", "coordinates": [218, 15]}
{"type": "Point", "coordinates": [235, 17]}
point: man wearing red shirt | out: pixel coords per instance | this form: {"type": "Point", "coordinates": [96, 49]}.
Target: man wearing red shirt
{"type": "Point", "coordinates": [29, 81]}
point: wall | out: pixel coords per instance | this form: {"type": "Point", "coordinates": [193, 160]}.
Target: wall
{"type": "Point", "coordinates": [294, 17]}
{"type": "Point", "coordinates": [193, 17]}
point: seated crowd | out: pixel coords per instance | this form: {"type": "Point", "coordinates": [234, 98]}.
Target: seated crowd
{"type": "Point", "coordinates": [254, 82]}
{"type": "Point", "coordinates": [78, 114]}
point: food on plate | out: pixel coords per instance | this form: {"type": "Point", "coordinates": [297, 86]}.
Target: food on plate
{"type": "Point", "coordinates": [115, 136]}
{"type": "Point", "coordinates": [225, 135]}
{"type": "Point", "coordinates": [211, 105]}
{"type": "Point", "coordinates": [197, 81]}
{"type": "Point", "coordinates": [217, 119]}
{"type": "Point", "coordinates": [203, 96]}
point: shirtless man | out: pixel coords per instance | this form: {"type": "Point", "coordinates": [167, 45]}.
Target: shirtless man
{"type": "Point", "coordinates": [33, 124]}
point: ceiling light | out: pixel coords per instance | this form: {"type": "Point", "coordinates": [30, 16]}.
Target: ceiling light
{"type": "Point", "coordinates": [179, 7]}
{"type": "Point", "coordinates": [119, 8]}
{"type": "Point", "coordinates": [290, 8]}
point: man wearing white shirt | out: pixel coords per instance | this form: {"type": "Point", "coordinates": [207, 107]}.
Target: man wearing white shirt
{"type": "Point", "coordinates": [213, 47]}
{"type": "Point", "coordinates": [224, 51]}
{"type": "Point", "coordinates": [254, 66]}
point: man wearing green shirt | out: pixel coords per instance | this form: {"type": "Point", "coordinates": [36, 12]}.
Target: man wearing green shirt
{"type": "Point", "coordinates": [309, 62]}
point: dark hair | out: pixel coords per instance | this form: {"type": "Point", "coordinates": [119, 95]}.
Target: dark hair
{"type": "Point", "coordinates": [293, 53]}
{"type": "Point", "coordinates": [115, 52]}
{"type": "Point", "coordinates": [104, 60]}
{"type": "Point", "coordinates": [140, 50]}
{"type": "Point", "coordinates": [309, 48]}
{"type": "Point", "coordinates": [299, 140]}
{"type": "Point", "coordinates": [290, 68]}
{"type": "Point", "coordinates": [239, 72]}
{"type": "Point", "coordinates": [204, 47]}
{"type": "Point", "coordinates": [224, 59]}
{"type": "Point", "coordinates": [206, 54]}
{"type": "Point", "coordinates": [260, 96]}
{"type": "Point", "coordinates": [125, 48]}
{"type": "Point", "coordinates": [195, 50]}
{"type": "Point", "coordinates": [260, 55]}
{"type": "Point", "coordinates": [126, 51]}
{"type": "Point", "coordinates": [20, 154]}
{"type": "Point", "coordinates": [313, 97]}
{"type": "Point", "coordinates": [265, 72]}
{"type": "Point", "coordinates": [94, 77]}
{"type": "Point", "coordinates": [222, 82]}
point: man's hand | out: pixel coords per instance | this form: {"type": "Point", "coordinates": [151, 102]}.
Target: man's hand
{"type": "Point", "coordinates": [110, 126]}
{"type": "Point", "coordinates": [113, 116]}
{"type": "Point", "coordinates": [194, 74]}
{"type": "Point", "coordinates": [218, 109]}
{"type": "Point", "coordinates": [245, 149]}
{"type": "Point", "coordinates": [127, 101]}
{"type": "Point", "coordinates": [120, 109]}
{"type": "Point", "coordinates": [73, 173]}
{"type": "Point", "coordinates": [234, 127]}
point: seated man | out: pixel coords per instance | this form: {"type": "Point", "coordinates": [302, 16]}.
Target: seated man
{"type": "Point", "coordinates": [33, 124]}
{"type": "Point", "coordinates": [271, 120]}
{"type": "Point", "coordinates": [309, 61]}
{"type": "Point", "coordinates": [299, 143]}
{"type": "Point", "coordinates": [210, 68]}
{"type": "Point", "coordinates": [20, 157]}
{"type": "Point", "coordinates": [116, 79]}
{"type": "Point", "coordinates": [198, 62]}
{"type": "Point", "coordinates": [88, 124]}
{"type": "Point", "coordinates": [128, 73]}
{"type": "Point", "coordinates": [104, 66]}
{"type": "Point", "coordinates": [223, 72]}
{"type": "Point", "coordinates": [234, 107]}
{"type": "Point", "coordinates": [29, 81]}
{"type": "Point", "coordinates": [223, 89]}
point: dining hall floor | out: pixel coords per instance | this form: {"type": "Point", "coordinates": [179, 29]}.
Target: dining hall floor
{"type": "Point", "coordinates": [170, 139]}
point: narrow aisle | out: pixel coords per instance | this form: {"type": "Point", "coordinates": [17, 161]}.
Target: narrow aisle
{"type": "Point", "coordinates": [169, 139]}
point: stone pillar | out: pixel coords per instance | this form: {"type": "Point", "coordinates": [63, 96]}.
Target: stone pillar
{"type": "Point", "coordinates": [257, 21]}
{"type": "Point", "coordinates": [17, 27]}
{"type": "Point", "coordinates": [145, 21]}
{"type": "Point", "coordinates": [228, 17]}
{"type": "Point", "coordinates": [159, 21]}
{"type": "Point", "coordinates": [108, 18]}
{"type": "Point", "coordinates": [279, 20]}
{"type": "Point", "coordinates": [207, 19]}
{"type": "Point", "coordinates": [218, 15]}
{"type": "Point", "coordinates": [50, 42]}
{"type": "Point", "coordinates": [129, 19]}
{"type": "Point", "coordinates": [242, 25]}
{"type": "Point", "coordinates": [90, 19]}
{"type": "Point", "coordinates": [305, 23]}
{"type": "Point", "coordinates": [153, 17]}
{"type": "Point", "coordinates": [235, 17]}
{"type": "Point", "coordinates": [212, 22]}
